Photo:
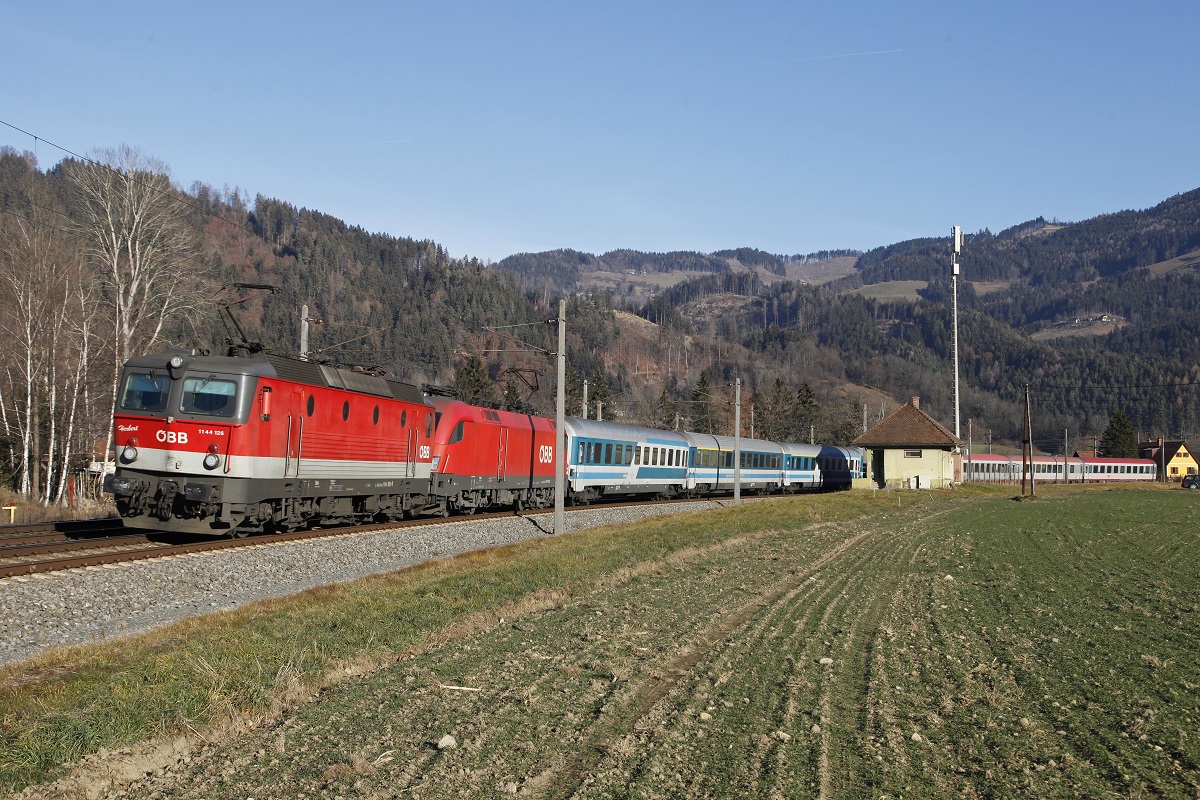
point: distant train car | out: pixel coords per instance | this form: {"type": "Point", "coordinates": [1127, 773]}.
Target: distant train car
{"type": "Point", "coordinates": [989, 468]}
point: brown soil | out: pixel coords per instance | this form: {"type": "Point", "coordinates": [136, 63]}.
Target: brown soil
{"type": "Point", "coordinates": [741, 668]}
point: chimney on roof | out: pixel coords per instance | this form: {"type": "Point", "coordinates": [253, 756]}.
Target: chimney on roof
{"type": "Point", "coordinates": [916, 403]}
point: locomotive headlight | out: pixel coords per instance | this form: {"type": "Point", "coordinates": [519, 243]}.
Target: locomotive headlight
{"type": "Point", "coordinates": [211, 459]}
{"type": "Point", "coordinates": [130, 452]}
{"type": "Point", "coordinates": [176, 362]}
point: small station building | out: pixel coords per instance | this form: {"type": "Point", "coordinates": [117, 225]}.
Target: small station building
{"type": "Point", "coordinates": [909, 449]}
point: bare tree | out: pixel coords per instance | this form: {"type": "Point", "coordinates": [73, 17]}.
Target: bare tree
{"type": "Point", "coordinates": [138, 239]}
{"type": "Point", "coordinates": [36, 272]}
{"type": "Point", "coordinates": [80, 316]}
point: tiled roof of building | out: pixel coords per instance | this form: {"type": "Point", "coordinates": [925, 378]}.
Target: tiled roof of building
{"type": "Point", "coordinates": [908, 426]}
{"type": "Point", "coordinates": [1155, 450]}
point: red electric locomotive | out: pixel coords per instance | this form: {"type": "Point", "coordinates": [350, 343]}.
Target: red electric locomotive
{"type": "Point", "coordinates": [227, 445]}
{"type": "Point", "coordinates": [485, 457]}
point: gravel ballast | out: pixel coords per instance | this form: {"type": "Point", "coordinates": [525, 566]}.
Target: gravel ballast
{"type": "Point", "coordinates": [41, 612]}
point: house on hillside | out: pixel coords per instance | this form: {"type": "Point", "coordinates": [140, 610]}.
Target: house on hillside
{"type": "Point", "coordinates": [1173, 458]}
{"type": "Point", "coordinates": [910, 449]}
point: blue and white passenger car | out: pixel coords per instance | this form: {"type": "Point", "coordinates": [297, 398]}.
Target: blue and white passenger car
{"type": "Point", "coordinates": [712, 464]}
{"type": "Point", "coordinates": [801, 470]}
{"type": "Point", "coordinates": [608, 458]}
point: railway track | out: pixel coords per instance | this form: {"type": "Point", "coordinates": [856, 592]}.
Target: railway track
{"type": "Point", "coordinates": [42, 549]}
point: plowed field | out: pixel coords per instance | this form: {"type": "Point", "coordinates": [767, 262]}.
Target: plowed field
{"type": "Point", "coordinates": [963, 645]}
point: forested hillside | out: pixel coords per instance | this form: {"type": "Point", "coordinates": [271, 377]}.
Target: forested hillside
{"type": "Point", "coordinates": [83, 288]}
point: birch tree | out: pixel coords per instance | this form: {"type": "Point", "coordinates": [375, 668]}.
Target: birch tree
{"type": "Point", "coordinates": [137, 238]}
{"type": "Point", "coordinates": [35, 271]}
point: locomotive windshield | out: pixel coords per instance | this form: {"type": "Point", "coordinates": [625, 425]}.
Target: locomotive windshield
{"type": "Point", "coordinates": [209, 395]}
{"type": "Point", "coordinates": [145, 392]}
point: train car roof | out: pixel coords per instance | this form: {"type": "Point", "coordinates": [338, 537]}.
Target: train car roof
{"type": "Point", "coordinates": [727, 442]}
{"type": "Point", "coordinates": [285, 368]}
{"type": "Point", "coordinates": [603, 429]}
{"type": "Point", "coordinates": [801, 449]}
{"type": "Point", "coordinates": [445, 405]}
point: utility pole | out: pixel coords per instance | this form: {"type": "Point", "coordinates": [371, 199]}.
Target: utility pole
{"type": "Point", "coordinates": [956, 236]}
{"type": "Point", "coordinates": [560, 423]}
{"type": "Point", "coordinates": [585, 399]}
{"type": "Point", "coordinates": [304, 332]}
{"type": "Point", "coordinates": [1027, 451]}
{"type": "Point", "coordinates": [970, 446]}
{"type": "Point", "coordinates": [737, 442]}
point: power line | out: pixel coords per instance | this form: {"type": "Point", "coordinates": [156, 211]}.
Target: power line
{"type": "Point", "coordinates": [171, 195]}
{"type": "Point", "coordinates": [35, 224]}
{"type": "Point", "coordinates": [1046, 387]}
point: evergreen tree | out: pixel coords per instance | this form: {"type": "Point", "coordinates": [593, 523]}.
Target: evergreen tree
{"type": "Point", "coordinates": [472, 384]}
{"type": "Point", "coordinates": [704, 417]}
{"type": "Point", "coordinates": [599, 393]}
{"type": "Point", "coordinates": [779, 415]}
{"type": "Point", "coordinates": [512, 398]}
{"type": "Point", "coordinates": [573, 393]}
{"type": "Point", "coordinates": [664, 416]}
{"type": "Point", "coordinates": [1118, 440]}
{"type": "Point", "coordinates": [806, 409]}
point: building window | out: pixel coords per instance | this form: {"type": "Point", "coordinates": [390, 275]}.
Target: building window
{"type": "Point", "coordinates": [912, 453]}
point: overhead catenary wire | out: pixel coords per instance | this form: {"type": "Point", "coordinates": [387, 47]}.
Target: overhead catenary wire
{"type": "Point", "coordinates": [172, 195]}
{"type": "Point", "coordinates": [1098, 387]}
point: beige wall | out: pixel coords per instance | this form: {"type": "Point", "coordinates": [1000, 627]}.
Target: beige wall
{"type": "Point", "coordinates": [935, 466]}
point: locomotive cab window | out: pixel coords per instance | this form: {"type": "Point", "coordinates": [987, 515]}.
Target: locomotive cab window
{"type": "Point", "coordinates": [457, 434]}
{"type": "Point", "coordinates": [209, 396]}
{"type": "Point", "coordinates": [145, 392]}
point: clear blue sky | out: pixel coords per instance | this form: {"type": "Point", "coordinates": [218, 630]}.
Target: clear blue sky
{"type": "Point", "coordinates": [501, 127]}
